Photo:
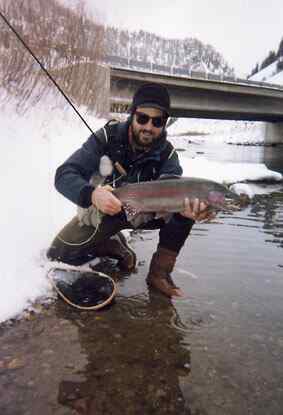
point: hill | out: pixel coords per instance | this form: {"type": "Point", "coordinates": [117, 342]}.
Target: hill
{"type": "Point", "coordinates": [72, 46]}
{"type": "Point", "coordinates": [145, 50]}
{"type": "Point", "coordinates": [271, 68]}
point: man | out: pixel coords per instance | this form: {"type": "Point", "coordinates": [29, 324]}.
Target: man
{"type": "Point", "coordinates": [139, 151]}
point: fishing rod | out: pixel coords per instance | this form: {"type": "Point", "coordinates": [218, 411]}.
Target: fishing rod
{"type": "Point", "coordinates": [44, 69]}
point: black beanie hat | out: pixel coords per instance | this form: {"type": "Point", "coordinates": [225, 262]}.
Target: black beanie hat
{"type": "Point", "coordinates": [153, 96]}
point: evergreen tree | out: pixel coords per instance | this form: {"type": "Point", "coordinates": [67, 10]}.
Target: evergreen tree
{"type": "Point", "coordinates": [280, 49]}
{"type": "Point", "coordinates": [280, 64]}
{"type": "Point", "coordinates": [268, 60]}
{"type": "Point", "coordinates": [254, 70]}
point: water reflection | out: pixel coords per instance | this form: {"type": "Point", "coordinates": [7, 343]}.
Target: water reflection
{"type": "Point", "coordinates": [273, 158]}
{"type": "Point", "coordinates": [137, 357]}
{"type": "Point", "coordinates": [270, 209]}
{"type": "Point", "coordinates": [265, 214]}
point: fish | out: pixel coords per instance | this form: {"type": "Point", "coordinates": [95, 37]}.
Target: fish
{"type": "Point", "coordinates": [168, 195]}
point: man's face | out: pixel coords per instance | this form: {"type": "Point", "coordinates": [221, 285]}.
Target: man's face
{"type": "Point", "coordinates": [147, 126]}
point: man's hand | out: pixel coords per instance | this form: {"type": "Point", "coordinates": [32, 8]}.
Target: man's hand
{"type": "Point", "coordinates": [105, 201]}
{"type": "Point", "coordinates": [197, 211]}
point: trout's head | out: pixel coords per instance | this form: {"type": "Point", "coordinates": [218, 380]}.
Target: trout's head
{"type": "Point", "coordinates": [227, 199]}
{"type": "Point", "coordinates": [215, 198]}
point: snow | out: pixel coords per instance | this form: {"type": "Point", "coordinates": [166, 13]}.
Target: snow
{"type": "Point", "coordinates": [265, 74]}
{"type": "Point", "coordinates": [219, 131]}
{"type": "Point", "coordinates": [277, 79]}
{"type": "Point", "coordinates": [269, 74]}
{"type": "Point", "coordinates": [229, 173]}
{"type": "Point", "coordinates": [33, 144]}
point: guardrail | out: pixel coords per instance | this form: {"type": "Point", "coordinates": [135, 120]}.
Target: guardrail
{"type": "Point", "coordinates": [124, 63]}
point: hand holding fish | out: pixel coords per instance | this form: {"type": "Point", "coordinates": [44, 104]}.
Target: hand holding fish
{"type": "Point", "coordinates": [105, 201]}
{"type": "Point", "coordinates": [197, 210]}
{"type": "Point", "coordinates": [202, 197]}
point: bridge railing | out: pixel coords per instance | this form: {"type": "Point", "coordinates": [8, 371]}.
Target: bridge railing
{"type": "Point", "coordinates": [128, 63]}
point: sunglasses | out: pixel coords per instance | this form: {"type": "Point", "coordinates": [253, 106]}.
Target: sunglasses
{"type": "Point", "coordinates": [143, 119]}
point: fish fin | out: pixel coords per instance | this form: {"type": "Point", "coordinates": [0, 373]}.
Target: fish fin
{"type": "Point", "coordinates": [130, 211]}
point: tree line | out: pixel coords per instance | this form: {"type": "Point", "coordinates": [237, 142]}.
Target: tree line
{"type": "Point", "coordinates": [71, 45]}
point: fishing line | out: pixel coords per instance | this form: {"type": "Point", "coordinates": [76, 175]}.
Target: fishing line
{"type": "Point", "coordinates": [68, 100]}
{"type": "Point", "coordinates": [98, 220]}
{"type": "Point", "coordinates": [44, 69]}
{"type": "Point", "coordinates": [88, 239]}
{"type": "Point", "coordinates": [64, 95]}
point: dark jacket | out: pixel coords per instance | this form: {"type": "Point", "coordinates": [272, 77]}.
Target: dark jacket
{"type": "Point", "coordinates": [73, 176]}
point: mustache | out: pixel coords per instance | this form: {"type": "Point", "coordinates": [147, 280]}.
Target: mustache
{"type": "Point", "coordinates": [147, 131]}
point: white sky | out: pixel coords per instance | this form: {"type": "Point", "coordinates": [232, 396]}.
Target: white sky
{"type": "Point", "coordinates": [244, 31]}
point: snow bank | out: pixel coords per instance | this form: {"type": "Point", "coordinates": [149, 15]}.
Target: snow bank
{"type": "Point", "coordinates": [228, 173]}
{"type": "Point", "coordinates": [32, 146]}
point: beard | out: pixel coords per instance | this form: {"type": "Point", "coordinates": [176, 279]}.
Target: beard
{"type": "Point", "coordinates": [143, 139]}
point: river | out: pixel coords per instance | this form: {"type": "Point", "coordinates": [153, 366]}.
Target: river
{"type": "Point", "coordinates": [216, 352]}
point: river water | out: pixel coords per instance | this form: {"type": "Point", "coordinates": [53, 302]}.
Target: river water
{"type": "Point", "coordinates": [216, 352]}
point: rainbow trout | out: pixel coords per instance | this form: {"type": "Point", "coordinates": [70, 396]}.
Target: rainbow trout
{"type": "Point", "coordinates": [167, 196]}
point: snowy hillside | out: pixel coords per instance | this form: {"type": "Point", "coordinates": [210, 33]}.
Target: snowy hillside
{"type": "Point", "coordinates": [271, 68]}
{"type": "Point", "coordinates": [266, 73]}
{"type": "Point", "coordinates": [149, 48]}
{"type": "Point", "coordinates": [277, 78]}
{"type": "Point", "coordinates": [269, 74]}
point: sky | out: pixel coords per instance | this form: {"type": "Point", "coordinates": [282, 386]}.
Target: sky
{"type": "Point", "coordinates": [243, 31]}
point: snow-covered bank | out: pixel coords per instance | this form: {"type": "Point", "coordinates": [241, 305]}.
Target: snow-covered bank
{"type": "Point", "coordinates": [232, 132]}
{"type": "Point", "coordinates": [32, 146]}
{"type": "Point", "coordinates": [228, 173]}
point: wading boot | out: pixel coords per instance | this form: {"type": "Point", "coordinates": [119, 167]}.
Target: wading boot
{"type": "Point", "coordinates": [162, 264]}
{"type": "Point", "coordinates": [117, 247]}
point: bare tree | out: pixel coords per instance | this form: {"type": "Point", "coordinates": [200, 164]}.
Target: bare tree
{"type": "Point", "coordinates": [67, 42]}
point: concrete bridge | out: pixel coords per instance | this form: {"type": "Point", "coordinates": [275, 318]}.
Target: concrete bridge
{"type": "Point", "coordinates": [205, 98]}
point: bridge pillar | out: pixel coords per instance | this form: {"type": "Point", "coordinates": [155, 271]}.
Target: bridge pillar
{"type": "Point", "coordinates": [273, 132]}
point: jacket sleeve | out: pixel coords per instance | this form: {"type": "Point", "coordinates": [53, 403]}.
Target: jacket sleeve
{"type": "Point", "coordinates": [171, 165]}
{"type": "Point", "coordinates": [72, 177]}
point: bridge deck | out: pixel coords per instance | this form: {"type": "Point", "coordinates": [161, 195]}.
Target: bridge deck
{"type": "Point", "coordinates": [201, 98]}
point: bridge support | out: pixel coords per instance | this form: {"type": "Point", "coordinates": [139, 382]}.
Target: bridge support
{"type": "Point", "coordinates": [273, 132]}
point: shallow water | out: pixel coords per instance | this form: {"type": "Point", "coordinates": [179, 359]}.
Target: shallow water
{"type": "Point", "coordinates": [216, 352]}
{"type": "Point", "coordinates": [237, 346]}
